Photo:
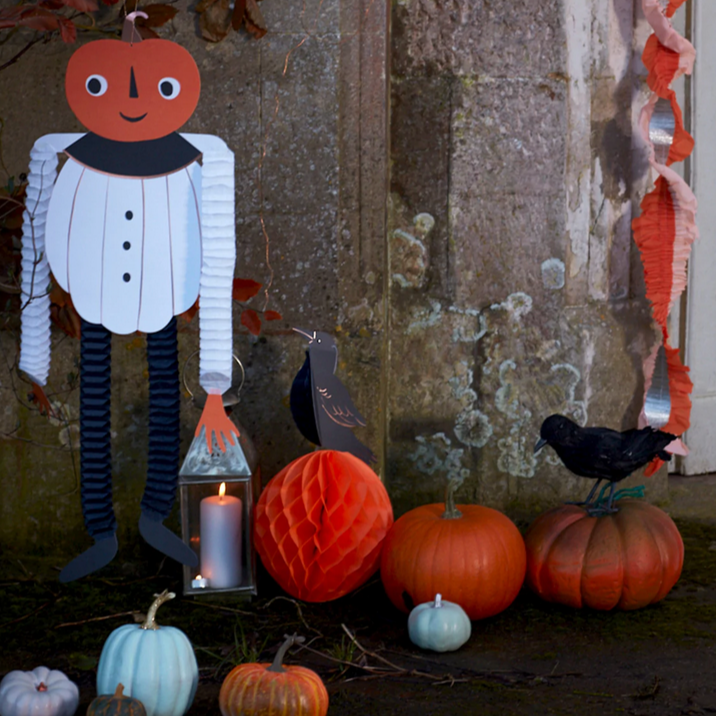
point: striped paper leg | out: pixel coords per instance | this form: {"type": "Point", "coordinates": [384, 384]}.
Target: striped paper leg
{"type": "Point", "coordinates": [95, 433]}
{"type": "Point", "coordinates": [164, 399]}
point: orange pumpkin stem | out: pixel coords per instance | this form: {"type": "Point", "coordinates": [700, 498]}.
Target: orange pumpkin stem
{"type": "Point", "coordinates": [451, 512]}
{"type": "Point", "coordinates": [42, 686]}
{"type": "Point", "coordinates": [119, 691]}
{"type": "Point", "coordinates": [277, 665]}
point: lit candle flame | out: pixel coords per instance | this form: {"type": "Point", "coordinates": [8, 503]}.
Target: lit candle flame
{"type": "Point", "coordinates": [198, 576]}
{"type": "Point", "coordinates": [222, 490]}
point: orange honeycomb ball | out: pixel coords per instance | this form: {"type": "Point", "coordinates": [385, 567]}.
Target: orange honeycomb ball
{"type": "Point", "coordinates": [320, 525]}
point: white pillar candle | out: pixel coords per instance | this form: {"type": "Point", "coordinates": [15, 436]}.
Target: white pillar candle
{"type": "Point", "coordinates": [220, 541]}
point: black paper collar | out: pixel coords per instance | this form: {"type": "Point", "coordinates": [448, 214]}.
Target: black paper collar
{"type": "Point", "coordinates": [151, 158]}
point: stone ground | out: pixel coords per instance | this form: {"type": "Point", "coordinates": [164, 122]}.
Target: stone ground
{"type": "Point", "coordinates": [534, 658]}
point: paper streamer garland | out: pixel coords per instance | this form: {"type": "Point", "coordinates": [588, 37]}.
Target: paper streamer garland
{"type": "Point", "coordinates": [667, 226]}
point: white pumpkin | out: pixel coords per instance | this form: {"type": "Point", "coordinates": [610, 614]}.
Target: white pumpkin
{"type": "Point", "coordinates": [40, 692]}
{"type": "Point", "coordinates": [156, 664]}
{"type": "Point", "coordinates": [439, 625]}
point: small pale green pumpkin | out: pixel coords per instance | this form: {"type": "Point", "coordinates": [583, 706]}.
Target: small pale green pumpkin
{"type": "Point", "coordinates": [439, 625]}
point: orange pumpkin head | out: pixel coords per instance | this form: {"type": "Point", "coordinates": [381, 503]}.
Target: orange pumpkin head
{"type": "Point", "coordinates": [132, 91]}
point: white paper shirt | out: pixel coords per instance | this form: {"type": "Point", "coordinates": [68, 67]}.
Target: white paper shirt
{"type": "Point", "coordinates": [131, 272]}
{"type": "Point", "coordinates": [127, 250]}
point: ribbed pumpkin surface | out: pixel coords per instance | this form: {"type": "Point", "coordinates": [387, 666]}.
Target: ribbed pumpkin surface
{"type": "Point", "coordinates": [116, 706]}
{"type": "Point", "coordinates": [158, 667]}
{"type": "Point", "coordinates": [251, 690]}
{"type": "Point", "coordinates": [625, 561]}
{"type": "Point", "coordinates": [476, 561]}
{"type": "Point", "coordinates": [320, 525]}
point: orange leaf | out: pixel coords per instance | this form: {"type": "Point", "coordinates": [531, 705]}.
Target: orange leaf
{"type": "Point", "coordinates": [146, 33]}
{"type": "Point", "coordinates": [190, 312]}
{"type": "Point", "coordinates": [237, 18]}
{"type": "Point", "coordinates": [58, 295]}
{"type": "Point", "coordinates": [159, 14]}
{"type": "Point", "coordinates": [10, 16]}
{"type": "Point", "coordinates": [38, 396]}
{"type": "Point", "coordinates": [214, 19]}
{"type": "Point", "coordinates": [66, 319]}
{"type": "Point", "coordinates": [82, 5]}
{"type": "Point", "coordinates": [40, 19]}
{"type": "Point", "coordinates": [68, 31]}
{"type": "Point", "coordinates": [272, 316]}
{"type": "Point", "coordinates": [251, 320]}
{"type": "Point", "coordinates": [255, 22]}
{"type": "Point", "coordinates": [245, 288]}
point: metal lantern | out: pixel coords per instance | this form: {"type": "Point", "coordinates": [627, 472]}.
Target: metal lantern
{"type": "Point", "coordinates": [217, 490]}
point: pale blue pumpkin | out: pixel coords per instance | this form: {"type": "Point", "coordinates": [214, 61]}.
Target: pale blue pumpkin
{"type": "Point", "coordinates": [156, 664]}
{"type": "Point", "coordinates": [439, 625]}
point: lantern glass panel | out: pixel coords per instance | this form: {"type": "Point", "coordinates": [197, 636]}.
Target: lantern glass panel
{"type": "Point", "coordinates": [217, 522]}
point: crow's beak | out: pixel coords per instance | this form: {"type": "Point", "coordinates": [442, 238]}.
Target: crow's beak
{"type": "Point", "coordinates": [305, 334]}
{"type": "Point", "coordinates": [539, 445]}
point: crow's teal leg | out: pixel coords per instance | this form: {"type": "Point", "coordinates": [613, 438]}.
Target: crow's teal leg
{"type": "Point", "coordinates": [602, 509]}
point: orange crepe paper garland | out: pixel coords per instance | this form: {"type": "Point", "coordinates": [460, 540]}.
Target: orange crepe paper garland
{"type": "Point", "coordinates": [320, 525]}
{"type": "Point", "coordinates": [667, 226]}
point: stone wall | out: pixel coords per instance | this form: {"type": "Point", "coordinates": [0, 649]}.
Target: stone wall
{"type": "Point", "coordinates": [515, 291]}
{"type": "Point", "coordinates": [453, 205]}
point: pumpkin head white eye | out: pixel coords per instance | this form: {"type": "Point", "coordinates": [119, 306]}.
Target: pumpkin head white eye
{"type": "Point", "coordinates": [96, 85]}
{"type": "Point", "coordinates": [169, 87]}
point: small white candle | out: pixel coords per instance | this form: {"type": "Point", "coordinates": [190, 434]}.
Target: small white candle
{"type": "Point", "coordinates": [220, 543]}
{"type": "Point", "coordinates": [198, 582]}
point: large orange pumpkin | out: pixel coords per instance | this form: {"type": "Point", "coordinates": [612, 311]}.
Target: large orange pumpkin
{"type": "Point", "coordinates": [320, 525]}
{"type": "Point", "coordinates": [132, 92]}
{"type": "Point", "coordinates": [624, 560]}
{"type": "Point", "coordinates": [267, 689]}
{"type": "Point", "coordinates": [473, 555]}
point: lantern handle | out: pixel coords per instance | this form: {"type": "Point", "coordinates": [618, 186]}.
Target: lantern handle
{"type": "Point", "coordinates": [230, 397]}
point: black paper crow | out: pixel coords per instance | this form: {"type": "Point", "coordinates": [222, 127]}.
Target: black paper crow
{"type": "Point", "coordinates": [320, 404]}
{"type": "Point", "coordinates": [602, 453]}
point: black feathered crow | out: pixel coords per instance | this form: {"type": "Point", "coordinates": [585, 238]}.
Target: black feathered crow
{"type": "Point", "coordinates": [321, 405]}
{"type": "Point", "coordinates": [602, 453]}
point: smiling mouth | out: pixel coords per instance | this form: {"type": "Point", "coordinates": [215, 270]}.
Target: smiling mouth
{"type": "Point", "coordinates": [133, 119]}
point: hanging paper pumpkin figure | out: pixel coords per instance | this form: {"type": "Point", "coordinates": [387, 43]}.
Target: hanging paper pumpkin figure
{"type": "Point", "coordinates": [138, 224]}
{"type": "Point", "coordinates": [625, 560]}
{"type": "Point", "coordinates": [320, 525]}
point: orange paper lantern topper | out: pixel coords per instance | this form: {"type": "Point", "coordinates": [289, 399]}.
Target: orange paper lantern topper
{"type": "Point", "coordinates": [320, 525]}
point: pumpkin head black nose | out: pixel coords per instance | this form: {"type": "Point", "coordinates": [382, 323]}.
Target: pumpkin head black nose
{"type": "Point", "coordinates": [132, 85]}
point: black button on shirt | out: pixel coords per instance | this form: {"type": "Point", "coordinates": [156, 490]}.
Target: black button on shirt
{"type": "Point", "coordinates": [129, 215]}
{"type": "Point", "coordinates": [126, 277]}
{"type": "Point", "coordinates": [126, 246]}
